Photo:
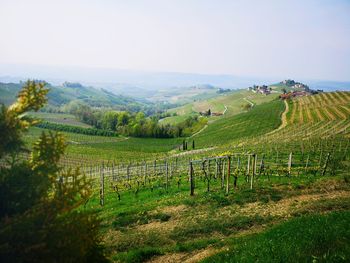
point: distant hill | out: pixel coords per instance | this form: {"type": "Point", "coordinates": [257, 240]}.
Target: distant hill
{"type": "Point", "coordinates": [60, 95]}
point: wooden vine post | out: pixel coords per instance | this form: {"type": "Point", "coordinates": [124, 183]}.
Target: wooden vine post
{"type": "Point", "coordinates": [307, 163]}
{"type": "Point", "coordinates": [326, 164]}
{"type": "Point", "coordinates": [145, 173]}
{"type": "Point", "coordinates": [102, 186]}
{"type": "Point", "coordinates": [228, 174]}
{"type": "Point", "coordinates": [128, 172]}
{"type": "Point", "coordinates": [113, 175]}
{"type": "Point", "coordinates": [262, 165]}
{"type": "Point", "coordinates": [209, 175]}
{"type": "Point", "coordinates": [255, 162]}
{"type": "Point", "coordinates": [206, 177]}
{"type": "Point", "coordinates": [191, 179]}
{"type": "Point", "coordinates": [237, 172]}
{"type": "Point", "coordinates": [223, 175]}
{"type": "Point", "coordinates": [253, 172]}
{"type": "Point", "coordinates": [290, 164]}
{"type": "Point", "coordinates": [166, 176]}
{"type": "Point", "coordinates": [248, 169]}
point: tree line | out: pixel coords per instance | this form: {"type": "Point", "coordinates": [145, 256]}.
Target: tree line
{"type": "Point", "coordinates": [134, 124]}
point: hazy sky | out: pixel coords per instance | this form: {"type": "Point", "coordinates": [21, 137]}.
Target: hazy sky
{"type": "Point", "coordinates": [301, 39]}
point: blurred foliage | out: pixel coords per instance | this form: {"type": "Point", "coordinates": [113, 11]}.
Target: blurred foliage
{"type": "Point", "coordinates": [39, 216]}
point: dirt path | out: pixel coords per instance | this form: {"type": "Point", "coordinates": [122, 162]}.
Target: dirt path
{"type": "Point", "coordinates": [198, 132]}
{"type": "Point", "coordinates": [250, 102]}
{"type": "Point", "coordinates": [224, 110]}
{"type": "Point", "coordinates": [283, 119]}
{"type": "Point", "coordinates": [285, 207]}
{"type": "Point", "coordinates": [193, 151]}
{"type": "Point", "coordinates": [192, 257]}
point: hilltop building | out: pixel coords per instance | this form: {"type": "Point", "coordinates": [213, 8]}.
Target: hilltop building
{"type": "Point", "coordinates": [260, 89]}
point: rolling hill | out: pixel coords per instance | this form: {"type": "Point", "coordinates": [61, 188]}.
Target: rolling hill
{"type": "Point", "coordinates": [60, 95]}
{"type": "Point", "coordinates": [229, 104]}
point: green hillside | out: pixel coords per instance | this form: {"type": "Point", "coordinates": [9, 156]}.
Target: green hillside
{"type": "Point", "coordinates": [60, 95]}
{"type": "Point", "coordinates": [258, 121]}
{"type": "Point", "coordinates": [229, 104]}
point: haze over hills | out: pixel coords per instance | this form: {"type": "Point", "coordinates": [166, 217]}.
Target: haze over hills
{"type": "Point", "coordinates": [143, 83]}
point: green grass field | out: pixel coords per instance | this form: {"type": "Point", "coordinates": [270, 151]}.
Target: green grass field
{"type": "Point", "coordinates": [258, 121]}
{"type": "Point", "coordinates": [312, 238]}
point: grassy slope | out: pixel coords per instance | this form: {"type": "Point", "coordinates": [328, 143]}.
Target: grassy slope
{"type": "Point", "coordinates": [315, 238]}
{"type": "Point", "coordinates": [259, 120]}
{"type": "Point", "coordinates": [174, 226]}
{"type": "Point", "coordinates": [233, 101]}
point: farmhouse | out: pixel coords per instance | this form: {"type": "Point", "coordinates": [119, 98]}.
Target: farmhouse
{"type": "Point", "coordinates": [301, 86]}
{"type": "Point", "coordinates": [260, 89]}
{"type": "Point", "coordinates": [293, 94]}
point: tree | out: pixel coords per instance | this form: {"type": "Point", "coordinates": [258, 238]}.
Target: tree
{"type": "Point", "coordinates": [246, 107]}
{"type": "Point", "coordinates": [110, 120]}
{"type": "Point", "coordinates": [40, 215]}
{"type": "Point", "coordinates": [123, 118]}
{"type": "Point", "coordinates": [140, 118]}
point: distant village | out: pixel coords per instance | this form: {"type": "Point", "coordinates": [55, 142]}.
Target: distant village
{"type": "Point", "coordinates": [289, 89]}
{"type": "Point", "coordinates": [295, 89]}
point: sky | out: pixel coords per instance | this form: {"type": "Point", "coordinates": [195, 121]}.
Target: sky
{"type": "Point", "coordinates": [300, 39]}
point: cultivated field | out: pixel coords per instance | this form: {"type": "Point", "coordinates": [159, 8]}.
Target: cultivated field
{"type": "Point", "coordinates": [254, 178]}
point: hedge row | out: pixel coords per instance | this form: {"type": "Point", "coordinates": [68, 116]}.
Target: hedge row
{"type": "Point", "coordinates": [75, 129]}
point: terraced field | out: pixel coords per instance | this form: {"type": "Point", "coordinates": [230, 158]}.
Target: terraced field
{"type": "Point", "coordinates": [322, 107]}
{"type": "Point", "coordinates": [321, 115]}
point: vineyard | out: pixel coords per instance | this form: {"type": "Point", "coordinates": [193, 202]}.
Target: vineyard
{"type": "Point", "coordinates": [306, 147]}
{"type": "Point", "coordinates": [247, 171]}
{"type": "Point", "coordinates": [219, 173]}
